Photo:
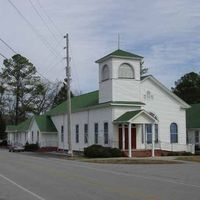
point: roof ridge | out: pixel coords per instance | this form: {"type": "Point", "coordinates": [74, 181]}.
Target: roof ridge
{"type": "Point", "coordinates": [119, 53]}
{"type": "Point", "coordinates": [84, 94]}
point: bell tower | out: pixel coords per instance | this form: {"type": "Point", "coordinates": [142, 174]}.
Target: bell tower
{"type": "Point", "coordinates": [119, 77]}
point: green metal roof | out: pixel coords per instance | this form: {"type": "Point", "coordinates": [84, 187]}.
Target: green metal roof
{"type": "Point", "coordinates": [86, 101]}
{"type": "Point", "coordinates": [120, 53]}
{"type": "Point", "coordinates": [193, 116]}
{"type": "Point", "coordinates": [11, 128]}
{"type": "Point", "coordinates": [127, 102]}
{"type": "Point", "coordinates": [77, 103]}
{"type": "Point", "coordinates": [45, 124]}
{"type": "Point", "coordinates": [127, 116]}
{"type": "Point", "coordinates": [23, 126]}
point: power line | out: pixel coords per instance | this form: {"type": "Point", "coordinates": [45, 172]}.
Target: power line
{"type": "Point", "coordinates": [2, 55]}
{"type": "Point", "coordinates": [44, 77]}
{"type": "Point", "coordinates": [36, 69]}
{"type": "Point", "coordinates": [40, 16]}
{"type": "Point", "coordinates": [75, 69]}
{"type": "Point", "coordinates": [16, 53]}
{"type": "Point", "coordinates": [48, 58]}
{"type": "Point", "coordinates": [8, 45]}
{"type": "Point", "coordinates": [54, 64]}
{"type": "Point", "coordinates": [45, 42]}
{"type": "Point", "coordinates": [49, 18]}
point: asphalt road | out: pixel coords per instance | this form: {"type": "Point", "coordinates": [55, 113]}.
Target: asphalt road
{"type": "Point", "coordinates": [29, 177]}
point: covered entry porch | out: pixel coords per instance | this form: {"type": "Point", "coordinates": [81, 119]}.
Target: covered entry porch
{"type": "Point", "coordinates": [133, 128]}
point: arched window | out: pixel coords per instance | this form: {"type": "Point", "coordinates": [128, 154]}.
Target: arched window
{"type": "Point", "coordinates": [105, 73]}
{"type": "Point", "coordinates": [174, 133]}
{"type": "Point", "coordinates": [126, 71]}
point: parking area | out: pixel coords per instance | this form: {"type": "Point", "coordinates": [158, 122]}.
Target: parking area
{"type": "Point", "coordinates": [24, 177]}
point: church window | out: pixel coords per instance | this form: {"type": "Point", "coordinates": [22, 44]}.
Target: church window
{"type": "Point", "coordinates": [149, 133]}
{"type": "Point", "coordinates": [174, 133]}
{"type": "Point", "coordinates": [126, 71]}
{"type": "Point", "coordinates": [77, 133]}
{"type": "Point", "coordinates": [86, 133]}
{"type": "Point", "coordinates": [62, 133]}
{"type": "Point", "coordinates": [106, 133]}
{"type": "Point", "coordinates": [105, 73]}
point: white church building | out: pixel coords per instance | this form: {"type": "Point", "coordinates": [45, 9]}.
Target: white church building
{"type": "Point", "coordinates": [130, 112]}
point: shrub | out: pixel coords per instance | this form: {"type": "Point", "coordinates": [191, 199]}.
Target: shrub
{"type": "Point", "coordinates": [197, 147]}
{"type": "Point", "coordinates": [186, 153]}
{"type": "Point", "coordinates": [116, 152]}
{"type": "Point", "coordinates": [31, 147]}
{"type": "Point", "coordinates": [98, 151]}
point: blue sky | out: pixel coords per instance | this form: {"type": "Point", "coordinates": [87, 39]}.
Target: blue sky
{"type": "Point", "coordinates": [166, 33]}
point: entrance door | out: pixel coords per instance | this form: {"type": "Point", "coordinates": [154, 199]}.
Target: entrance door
{"type": "Point", "coordinates": [133, 138]}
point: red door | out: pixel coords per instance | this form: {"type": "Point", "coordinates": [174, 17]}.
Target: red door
{"type": "Point", "coordinates": [133, 138]}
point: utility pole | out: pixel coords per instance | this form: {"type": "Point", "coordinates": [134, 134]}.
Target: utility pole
{"type": "Point", "coordinates": [68, 80]}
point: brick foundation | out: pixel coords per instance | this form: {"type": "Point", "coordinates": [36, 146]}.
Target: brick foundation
{"type": "Point", "coordinates": [147, 153]}
{"type": "Point", "coordinates": [47, 149]}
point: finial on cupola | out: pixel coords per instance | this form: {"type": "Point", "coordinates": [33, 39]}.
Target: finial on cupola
{"type": "Point", "coordinates": [118, 41]}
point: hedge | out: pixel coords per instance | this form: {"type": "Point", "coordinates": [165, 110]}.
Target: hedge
{"type": "Point", "coordinates": [98, 151]}
{"type": "Point", "coordinates": [31, 147]}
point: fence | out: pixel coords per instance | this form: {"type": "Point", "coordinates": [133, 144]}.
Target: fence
{"type": "Point", "coordinates": [172, 146]}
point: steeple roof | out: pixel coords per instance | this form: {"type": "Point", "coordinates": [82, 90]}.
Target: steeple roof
{"type": "Point", "coordinates": [120, 54]}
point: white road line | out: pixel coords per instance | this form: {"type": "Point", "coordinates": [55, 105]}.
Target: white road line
{"type": "Point", "coordinates": [21, 187]}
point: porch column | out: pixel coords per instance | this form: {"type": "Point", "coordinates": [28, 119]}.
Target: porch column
{"type": "Point", "coordinates": [144, 134]}
{"type": "Point", "coordinates": [123, 137]}
{"type": "Point", "coordinates": [129, 141]}
{"type": "Point", "coordinates": [153, 139]}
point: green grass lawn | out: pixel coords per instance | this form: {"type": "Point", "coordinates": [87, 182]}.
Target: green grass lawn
{"type": "Point", "coordinates": [130, 161]}
{"type": "Point", "coordinates": [189, 158]}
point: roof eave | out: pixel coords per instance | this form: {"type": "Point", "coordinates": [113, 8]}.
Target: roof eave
{"type": "Point", "coordinates": [184, 105]}
{"type": "Point", "coordinates": [46, 132]}
{"type": "Point", "coordinates": [143, 111]}
{"type": "Point", "coordinates": [103, 105]}
{"type": "Point", "coordinates": [113, 56]}
{"type": "Point", "coordinates": [11, 131]}
{"type": "Point", "coordinates": [120, 122]}
{"type": "Point", "coordinates": [126, 105]}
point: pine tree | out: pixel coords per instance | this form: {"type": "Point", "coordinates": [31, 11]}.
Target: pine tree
{"type": "Point", "coordinates": [21, 85]}
{"type": "Point", "coordinates": [143, 69]}
{"type": "Point", "coordinates": [188, 88]}
{"type": "Point", "coordinates": [61, 96]}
